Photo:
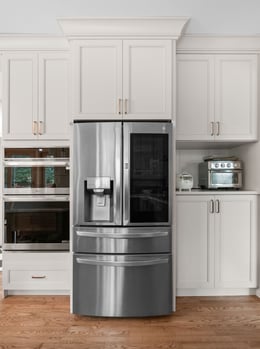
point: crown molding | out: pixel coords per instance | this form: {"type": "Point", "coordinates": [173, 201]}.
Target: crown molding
{"type": "Point", "coordinates": [80, 27]}
{"type": "Point", "coordinates": [32, 42]}
{"type": "Point", "coordinates": [218, 43]}
{"type": "Point", "coordinates": [192, 43]}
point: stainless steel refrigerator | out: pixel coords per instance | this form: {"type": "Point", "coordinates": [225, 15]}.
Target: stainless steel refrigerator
{"type": "Point", "coordinates": [122, 218]}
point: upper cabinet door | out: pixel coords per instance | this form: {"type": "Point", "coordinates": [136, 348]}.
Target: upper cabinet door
{"type": "Point", "coordinates": [216, 97]}
{"type": "Point", "coordinates": [147, 79]}
{"type": "Point", "coordinates": [195, 97]}
{"type": "Point", "coordinates": [97, 69]}
{"type": "Point", "coordinates": [236, 97]}
{"type": "Point", "coordinates": [20, 96]}
{"type": "Point", "coordinates": [54, 110]}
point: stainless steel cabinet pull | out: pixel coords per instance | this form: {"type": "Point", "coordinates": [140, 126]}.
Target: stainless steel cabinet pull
{"type": "Point", "coordinates": [35, 128]}
{"type": "Point", "coordinates": [218, 128]}
{"type": "Point", "coordinates": [126, 106]}
{"type": "Point", "coordinates": [217, 206]}
{"type": "Point", "coordinates": [212, 128]}
{"type": "Point", "coordinates": [38, 276]}
{"type": "Point", "coordinates": [119, 106]}
{"type": "Point", "coordinates": [40, 131]}
{"type": "Point", "coordinates": [211, 206]}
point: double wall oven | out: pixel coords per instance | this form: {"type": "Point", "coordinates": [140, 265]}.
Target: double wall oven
{"type": "Point", "coordinates": [36, 199]}
{"type": "Point", "coordinates": [122, 217]}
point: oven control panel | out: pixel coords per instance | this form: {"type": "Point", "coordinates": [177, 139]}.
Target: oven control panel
{"type": "Point", "coordinates": [224, 165]}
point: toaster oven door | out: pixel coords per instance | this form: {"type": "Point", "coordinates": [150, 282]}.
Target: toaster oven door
{"type": "Point", "coordinates": [225, 179]}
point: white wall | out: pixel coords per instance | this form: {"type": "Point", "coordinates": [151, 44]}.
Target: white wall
{"type": "Point", "coordinates": [207, 16]}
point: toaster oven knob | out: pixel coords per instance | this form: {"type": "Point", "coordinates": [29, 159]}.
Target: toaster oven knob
{"type": "Point", "coordinates": [216, 165]}
{"type": "Point", "coordinates": [222, 165]}
{"type": "Point", "coordinates": [228, 165]}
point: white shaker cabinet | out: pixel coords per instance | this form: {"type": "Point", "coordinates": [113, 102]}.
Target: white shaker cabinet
{"type": "Point", "coordinates": [217, 97]}
{"type": "Point", "coordinates": [36, 272]}
{"type": "Point", "coordinates": [195, 97]}
{"type": "Point", "coordinates": [236, 97]}
{"type": "Point", "coordinates": [235, 241]}
{"type": "Point", "coordinates": [20, 95]}
{"type": "Point", "coordinates": [216, 241]}
{"type": "Point", "coordinates": [129, 79]}
{"type": "Point", "coordinates": [36, 96]}
{"type": "Point", "coordinates": [195, 242]}
{"type": "Point", "coordinates": [54, 96]}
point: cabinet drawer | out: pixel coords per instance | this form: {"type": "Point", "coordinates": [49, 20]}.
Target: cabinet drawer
{"type": "Point", "coordinates": [35, 279]}
{"type": "Point", "coordinates": [36, 271]}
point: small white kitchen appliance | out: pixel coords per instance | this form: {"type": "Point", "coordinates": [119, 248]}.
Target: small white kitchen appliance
{"type": "Point", "coordinates": [184, 181]}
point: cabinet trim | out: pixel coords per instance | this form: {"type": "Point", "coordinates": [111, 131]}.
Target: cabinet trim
{"type": "Point", "coordinates": [78, 27]}
{"type": "Point", "coordinates": [33, 42]}
{"type": "Point", "coordinates": [199, 43]}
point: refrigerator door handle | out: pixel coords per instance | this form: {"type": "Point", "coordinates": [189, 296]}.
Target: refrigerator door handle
{"type": "Point", "coordinates": [91, 234]}
{"type": "Point", "coordinates": [118, 193]}
{"type": "Point", "coordinates": [137, 263]}
{"type": "Point", "coordinates": [126, 162]}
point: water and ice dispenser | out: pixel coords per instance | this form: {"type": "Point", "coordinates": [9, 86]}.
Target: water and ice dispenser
{"type": "Point", "coordinates": [98, 199]}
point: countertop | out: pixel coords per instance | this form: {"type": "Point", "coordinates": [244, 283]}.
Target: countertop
{"type": "Point", "coordinates": [216, 192]}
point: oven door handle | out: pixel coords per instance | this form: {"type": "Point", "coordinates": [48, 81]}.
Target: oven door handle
{"type": "Point", "coordinates": [30, 162]}
{"type": "Point", "coordinates": [31, 198]}
{"type": "Point", "coordinates": [226, 170]}
{"type": "Point", "coordinates": [91, 234]}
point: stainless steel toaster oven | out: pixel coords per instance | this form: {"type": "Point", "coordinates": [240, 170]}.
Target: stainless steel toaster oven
{"type": "Point", "coordinates": [217, 174]}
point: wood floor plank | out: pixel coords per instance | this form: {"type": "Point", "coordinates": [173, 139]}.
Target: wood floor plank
{"type": "Point", "coordinates": [45, 322]}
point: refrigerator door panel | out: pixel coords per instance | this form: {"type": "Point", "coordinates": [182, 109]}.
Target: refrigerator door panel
{"type": "Point", "coordinates": [147, 168]}
{"type": "Point", "coordinates": [97, 173]}
{"type": "Point", "coordinates": [122, 286]}
{"type": "Point", "coordinates": [122, 240]}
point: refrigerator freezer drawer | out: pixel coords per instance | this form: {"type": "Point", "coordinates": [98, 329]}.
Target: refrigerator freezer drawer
{"type": "Point", "coordinates": [122, 240]}
{"type": "Point", "coordinates": [122, 285]}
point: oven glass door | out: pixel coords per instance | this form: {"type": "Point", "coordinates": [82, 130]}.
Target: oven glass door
{"type": "Point", "coordinates": [36, 223]}
{"type": "Point", "coordinates": [226, 179]}
{"type": "Point", "coordinates": [36, 171]}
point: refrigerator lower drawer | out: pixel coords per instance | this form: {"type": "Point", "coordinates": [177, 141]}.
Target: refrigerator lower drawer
{"type": "Point", "coordinates": [122, 285]}
{"type": "Point", "coordinates": [122, 240]}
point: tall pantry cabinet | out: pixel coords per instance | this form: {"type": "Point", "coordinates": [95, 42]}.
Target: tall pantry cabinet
{"type": "Point", "coordinates": [36, 113]}
{"type": "Point", "coordinates": [217, 111]}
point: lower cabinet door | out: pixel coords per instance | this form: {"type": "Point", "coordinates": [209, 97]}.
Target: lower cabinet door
{"type": "Point", "coordinates": [122, 285]}
{"type": "Point", "coordinates": [195, 242]}
{"type": "Point", "coordinates": [236, 242]}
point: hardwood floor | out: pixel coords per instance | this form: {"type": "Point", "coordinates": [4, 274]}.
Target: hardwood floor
{"type": "Point", "coordinates": [44, 322]}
